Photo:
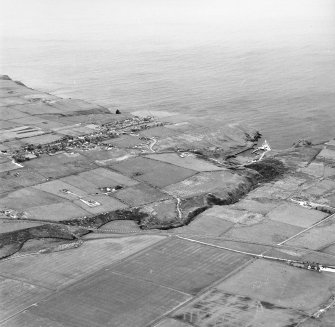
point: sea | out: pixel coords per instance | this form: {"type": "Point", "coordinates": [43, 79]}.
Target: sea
{"type": "Point", "coordinates": [275, 73]}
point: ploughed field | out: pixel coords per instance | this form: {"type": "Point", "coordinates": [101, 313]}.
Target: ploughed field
{"type": "Point", "coordinates": [149, 220]}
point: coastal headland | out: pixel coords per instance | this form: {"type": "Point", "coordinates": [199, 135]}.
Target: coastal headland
{"type": "Point", "coordinates": [158, 219]}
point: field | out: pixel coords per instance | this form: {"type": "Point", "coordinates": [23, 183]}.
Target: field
{"type": "Point", "coordinates": [317, 238]}
{"type": "Point", "coordinates": [37, 108]}
{"type": "Point", "coordinates": [203, 183]}
{"type": "Point", "coordinates": [181, 265]}
{"type": "Point", "coordinates": [23, 177]}
{"type": "Point", "coordinates": [8, 225]}
{"type": "Point", "coordinates": [269, 192]}
{"type": "Point", "coordinates": [105, 158]}
{"type": "Point", "coordinates": [56, 211]}
{"type": "Point", "coordinates": [263, 206]}
{"type": "Point", "coordinates": [102, 176]}
{"type": "Point", "coordinates": [26, 198]}
{"type": "Point", "coordinates": [6, 114]}
{"type": "Point", "coordinates": [56, 270]}
{"type": "Point", "coordinates": [140, 194]}
{"type": "Point", "coordinates": [218, 308]}
{"type": "Point", "coordinates": [107, 203]}
{"type": "Point", "coordinates": [293, 214]}
{"type": "Point", "coordinates": [189, 162]}
{"type": "Point", "coordinates": [60, 165]}
{"type": "Point", "coordinates": [160, 132]}
{"type": "Point", "coordinates": [7, 166]}
{"type": "Point", "coordinates": [169, 322]}
{"type": "Point", "coordinates": [327, 154]}
{"type": "Point", "coordinates": [205, 224]}
{"type": "Point", "coordinates": [93, 181]}
{"type": "Point", "coordinates": [17, 295]}
{"type": "Point", "coordinates": [281, 285]}
{"type": "Point", "coordinates": [56, 187]}
{"type": "Point", "coordinates": [109, 299]}
{"type": "Point", "coordinates": [28, 319]}
{"type": "Point", "coordinates": [151, 171]}
{"type": "Point", "coordinates": [44, 124]}
{"type": "Point", "coordinates": [268, 231]}
{"type": "Point", "coordinates": [232, 215]}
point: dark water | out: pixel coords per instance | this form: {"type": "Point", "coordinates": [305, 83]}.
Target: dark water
{"type": "Point", "coordinates": [281, 81]}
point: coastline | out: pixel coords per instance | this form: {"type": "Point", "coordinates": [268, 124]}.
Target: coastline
{"type": "Point", "coordinates": [80, 173]}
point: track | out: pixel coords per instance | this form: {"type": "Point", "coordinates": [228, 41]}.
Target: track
{"type": "Point", "coordinates": [152, 144]}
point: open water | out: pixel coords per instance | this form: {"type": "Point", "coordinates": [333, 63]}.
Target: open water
{"type": "Point", "coordinates": [276, 76]}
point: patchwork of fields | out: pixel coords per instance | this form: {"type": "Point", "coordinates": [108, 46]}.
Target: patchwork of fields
{"type": "Point", "coordinates": [120, 220]}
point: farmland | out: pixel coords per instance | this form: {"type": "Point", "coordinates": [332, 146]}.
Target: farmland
{"type": "Point", "coordinates": [155, 219]}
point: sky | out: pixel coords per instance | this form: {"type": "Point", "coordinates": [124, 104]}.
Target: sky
{"type": "Point", "coordinates": [132, 18]}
